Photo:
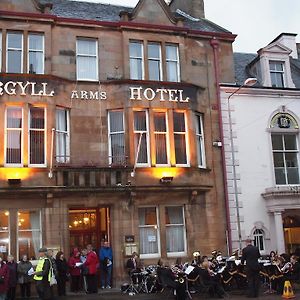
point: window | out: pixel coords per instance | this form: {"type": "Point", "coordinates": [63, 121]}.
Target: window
{"type": "Point", "coordinates": [285, 157]}
{"type": "Point", "coordinates": [149, 232]}
{"type": "Point", "coordinates": [87, 59]}
{"type": "Point", "coordinates": [4, 233]}
{"type": "Point", "coordinates": [200, 140]}
{"type": "Point", "coordinates": [37, 136]}
{"type": "Point", "coordinates": [136, 60]}
{"type": "Point", "coordinates": [277, 73]}
{"type": "Point", "coordinates": [116, 137]}
{"type": "Point", "coordinates": [175, 230]}
{"type": "Point", "coordinates": [172, 61]}
{"type": "Point", "coordinates": [141, 138]}
{"type": "Point", "coordinates": [62, 136]}
{"type": "Point", "coordinates": [154, 61]}
{"type": "Point", "coordinates": [14, 55]}
{"type": "Point", "coordinates": [259, 239]}
{"type": "Point", "coordinates": [29, 233]}
{"type": "Point", "coordinates": [0, 52]}
{"type": "Point", "coordinates": [36, 53]}
{"type": "Point", "coordinates": [180, 138]}
{"type": "Point", "coordinates": [14, 127]}
{"type": "Point", "coordinates": [161, 138]}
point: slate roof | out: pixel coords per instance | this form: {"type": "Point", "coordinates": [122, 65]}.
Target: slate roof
{"type": "Point", "coordinates": [108, 12]}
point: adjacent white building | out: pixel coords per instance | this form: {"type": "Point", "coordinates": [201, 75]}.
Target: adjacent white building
{"type": "Point", "coordinates": [261, 143]}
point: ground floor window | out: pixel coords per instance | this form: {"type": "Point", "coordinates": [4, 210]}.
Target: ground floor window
{"type": "Point", "coordinates": [4, 232]}
{"type": "Point", "coordinates": [259, 239]}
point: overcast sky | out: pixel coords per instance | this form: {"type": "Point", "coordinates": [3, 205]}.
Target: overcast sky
{"type": "Point", "coordinates": [257, 22]}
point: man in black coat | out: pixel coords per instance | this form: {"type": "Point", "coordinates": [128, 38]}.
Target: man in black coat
{"type": "Point", "coordinates": [251, 254]}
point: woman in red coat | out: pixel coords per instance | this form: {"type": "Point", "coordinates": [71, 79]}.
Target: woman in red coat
{"type": "Point", "coordinates": [4, 279]}
{"type": "Point", "coordinates": [92, 264]}
{"type": "Point", "coordinates": [74, 266]}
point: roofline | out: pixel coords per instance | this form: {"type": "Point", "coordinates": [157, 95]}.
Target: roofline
{"type": "Point", "coordinates": [222, 35]}
{"type": "Point", "coordinates": [232, 85]}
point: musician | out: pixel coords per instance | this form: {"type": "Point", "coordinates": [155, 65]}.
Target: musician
{"type": "Point", "coordinates": [197, 258]}
{"type": "Point", "coordinates": [293, 273]}
{"type": "Point", "coordinates": [273, 256]}
{"type": "Point", "coordinates": [132, 263]}
{"type": "Point", "coordinates": [250, 255]}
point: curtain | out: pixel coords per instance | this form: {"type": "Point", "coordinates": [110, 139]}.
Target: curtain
{"type": "Point", "coordinates": [172, 63]}
{"type": "Point", "coordinates": [179, 138]}
{"type": "Point", "coordinates": [36, 230]}
{"type": "Point", "coordinates": [62, 141]}
{"type": "Point", "coordinates": [160, 138]}
{"type": "Point", "coordinates": [87, 59]}
{"type": "Point", "coordinates": [175, 229]}
{"type": "Point", "coordinates": [37, 147]}
{"type": "Point", "coordinates": [140, 128]}
{"type": "Point", "coordinates": [136, 69]}
{"type": "Point", "coordinates": [117, 137]}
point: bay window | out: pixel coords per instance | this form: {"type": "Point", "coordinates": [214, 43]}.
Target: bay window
{"type": "Point", "coordinates": [161, 138]}
{"type": "Point", "coordinates": [172, 61]}
{"type": "Point", "coordinates": [36, 53]}
{"type": "Point", "coordinates": [136, 58]}
{"type": "Point", "coordinates": [62, 136]}
{"type": "Point", "coordinates": [180, 138]}
{"type": "Point", "coordinates": [37, 136]}
{"type": "Point", "coordinates": [154, 61]}
{"type": "Point", "coordinates": [200, 140]}
{"type": "Point", "coordinates": [14, 53]}
{"type": "Point", "coordinates": [14, 136]}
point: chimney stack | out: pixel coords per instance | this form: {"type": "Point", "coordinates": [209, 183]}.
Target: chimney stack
{"type": "Point", "coordinates": [194, 8]}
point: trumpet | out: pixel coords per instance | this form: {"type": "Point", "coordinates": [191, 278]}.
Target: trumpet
{"type": "Point", "coordinates": [286, 268]}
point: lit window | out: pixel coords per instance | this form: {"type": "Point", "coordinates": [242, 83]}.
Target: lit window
{"type": "Point", "coordinates": [37, 137]}
{"type": "Point", "coordinates": [259, 239]}
{"type": "Point", "coordinates": [154, 61]}
{"type": "Point", "coordinates": [175, 230]}
{"type": "Point", "coordinates": [14, 127]}
{"type": "Point", "coordinates": [172, 60]}
{"type": "Point", "coordinates": [149, 232]}
{"type": "Point", "coordinates": [29, 233]}
{"type": "Point", "coordinates": [87, 59]}
{"type": "Point", "coordinates": [277, 73]}
{"type": "Point", "coordinates": [14, 55]}
{"type": "Point", "coordinates": [4, 233]}
{"type": "Point", "coordinates": [36, 53]}
{"type": "Point", "coordinates": [116, 138]}
{"type": "Point", "coordinates": [0, 52]}
{"type": "Point", "coordinates": [62, 136]}
{"type": "Point", "coordinates": [136, 60]}
{"type": "Point", "coordinates": [180, 138]}
{"type": "Point", "coordinates": [200, 140]}
{"type": "Point", "coordinates": [161, 138]}
{"type": "Point", "coordinates": [141, 138]}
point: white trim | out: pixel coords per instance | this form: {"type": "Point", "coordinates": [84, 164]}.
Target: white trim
{"type": "Point", "coordinates": [15, 49]}
{"type": "Point", "coordinates": [67, 157]}
{"type": "Point", "coordinates": [177, 61]}
{"type": "Point", "coordinates": [283, 72]}
{"type": "Point", "coordinates": [36, 50]}
{"type": "Point", "coordinates": [142, 58]}
{"type": "Point", "coordinates": [159, 59]}
{"type": "Point", "coordinates": [199, 117]}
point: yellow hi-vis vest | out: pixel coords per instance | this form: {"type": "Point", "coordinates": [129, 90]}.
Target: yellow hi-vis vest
{"type": "Point", "coordinates": [39, 268]}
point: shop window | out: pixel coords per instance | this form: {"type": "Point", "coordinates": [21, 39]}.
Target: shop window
{"type": "Point", "coordinates": [172, 63]}
{"type": "Point", "coordinates": [87, 59]}
{"type": "Point", "coordinates": [14, 54]}
{"type": "Point", "coordinates": [141, 138]}
{"type": "Point", "coordinates": [29, 233]}
{"type": "Point", "coordinates": [14, 128]}
{"type": "Point", "coordinates": [62, 136]}
{"type": "Point", "coordinates": [200, 140]}
{"type": "Point", "coordinates": [116, 138]}
{"type": "Point", "coordinates": [180, 138]}
{"type": "Point", "coordinates": [277, 73]}
{"type": "Point", "coordinates": [136, 60]}
{"type": "Point", "coordinates": [161, 138]}
{"type": "Point", "coordinates": [4, 232]}
{"type": "Point", "coordinates": [175, 230]}
{"type": "Point", "coordinates": [149, 232]}
{"type": "Point", "coordinates": [37, 136]}
{"type": "Point", "coordinates": [36, 53]}
{"type": "Point", "coordinates": [154, 62]}
{"type": "Point", "coordinates": [259, 239]}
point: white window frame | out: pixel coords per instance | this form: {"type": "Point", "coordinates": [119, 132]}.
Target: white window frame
{"type": "Point", "coordinates": [27, 230]}
{"type": "Point", "coordinates": [148, 164]}
{"type": "Point", "coordinates": [200, 140]}
{"type": "Point", "coordinates": [284, 151]}
{"type": "Point", "coordinates": [45, 138]}
{"type": "Point", "coordinates": [142, 59]}
{"type": "Point", "coordinates": [157, 60]}
{"type": "Point", "coordinates": [187, 150]}
{"type": "Point", "coordinates": [170, 60]}
{"type": "Point", "coordinates": [87, 55]}
{"type": "Point", "coordinates": [15, 49]}
{"type": "Point", "coordinates": [8, 230]}
{"type": "Point", "coordinates": [257, 236]}
{"type": "Point", "coordinates": [35, 50]}
{"type": "Point", "coordinates": [278, 72]}
{"type": "Point", "coordinates": [13, 129]}
{"type": "Point", "coordinates": [67, 134]}
{"type": "Point", "coordinates": [167, 133]}
{"type": "Point", "coordinates": [158, 254]}
{"type": "Point", "coordinates": [182, 253]}
{"type": "Point", "coordinates": [110, 158]}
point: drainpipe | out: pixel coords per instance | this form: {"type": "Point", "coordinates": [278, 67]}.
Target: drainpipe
{"type": "Point", "coordinates": [215, 45]}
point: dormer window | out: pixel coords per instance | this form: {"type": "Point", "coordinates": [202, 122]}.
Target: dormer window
{"type": "Point", "coordinates": [277, 73]}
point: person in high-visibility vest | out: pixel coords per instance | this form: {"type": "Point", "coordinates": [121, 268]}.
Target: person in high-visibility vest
{"type": "Point", "coordinates": [42, 275]}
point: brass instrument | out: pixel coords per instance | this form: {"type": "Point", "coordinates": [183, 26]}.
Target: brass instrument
{"type": "Point", "coordinates": [286, 268]}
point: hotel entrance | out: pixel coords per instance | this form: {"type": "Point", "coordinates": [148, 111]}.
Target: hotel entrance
{"type": "Point", "coordinates": [89, 226]}
{"type": "Point", "coordinates": [291, 225]}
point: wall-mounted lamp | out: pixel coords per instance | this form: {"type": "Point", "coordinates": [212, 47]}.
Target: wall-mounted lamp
{"type": "Point", "coordinates": [14, 181]}
{"type": "Point", "coordinates": [217, 144]}
{"type": "Point", "coordinates": [166, 179]}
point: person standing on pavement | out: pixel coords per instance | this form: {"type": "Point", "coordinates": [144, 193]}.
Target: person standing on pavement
{"type": "Point", "coordinates": [23, 278]}
{"type": "Point", "coordinates": [91, 263]}
{"type": "Point", "coordinates": [4, 278]}
{"type": "Point", "coordinates": [62, 273]}
{"type": "Point", "coordinates": [75, 272]}
{"type": "Point", "coordinates": [42, 275]}
{"type": "Point", "coordinates": [250, 255]}
{"type": "Point", "coordinates": [84, 268]}
{"type": "Point", "coordinates": [106, 263]}
{"type": "Point", "coordinates": [12, 283]}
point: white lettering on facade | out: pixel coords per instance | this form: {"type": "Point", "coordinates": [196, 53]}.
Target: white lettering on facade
{"type": "Point", "coordinates": [89, 95]}
{"type": "Point", "coordinates": [135, 93]}
{"type": "Point", "coordinates": [152, 94]}
{"type": "Point", "coordinates": [12, 90]}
